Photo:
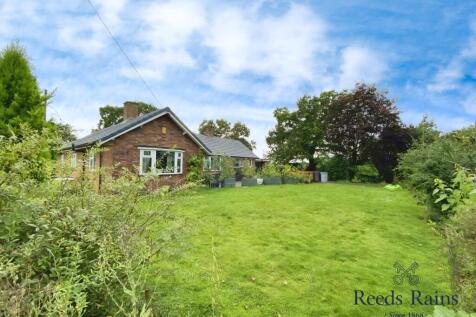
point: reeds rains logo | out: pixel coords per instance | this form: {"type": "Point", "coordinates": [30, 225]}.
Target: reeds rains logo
{"type": "Point", "coordinates": [405, 275]}
{"type": "Point", "coordinates": [408, 274]}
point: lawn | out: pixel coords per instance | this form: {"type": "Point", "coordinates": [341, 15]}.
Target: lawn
{"type": "Point", "coordinates": [297, 250]}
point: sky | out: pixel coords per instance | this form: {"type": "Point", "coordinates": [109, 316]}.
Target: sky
{"type": "Point", "coordinates": [240, 60]}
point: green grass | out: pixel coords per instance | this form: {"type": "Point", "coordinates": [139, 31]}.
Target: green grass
{"type": "Point", "coordinates": [297, 250]}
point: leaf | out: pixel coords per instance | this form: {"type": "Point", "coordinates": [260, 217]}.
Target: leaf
{"type": "Point", "coordinates": [445, 207]}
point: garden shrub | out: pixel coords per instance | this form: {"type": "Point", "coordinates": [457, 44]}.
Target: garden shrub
{"type": "Point", "coordinates": [66, 250]}
{"type": "Point", "coordinates": [449, 197]}
{"type": "Point", "coordinates": [423, 163]}
{"type": "Point", "coordinates": [269, 170]}
{"type": "Point", "coordinates": [293, 172]}
{"type": "Point", "coordinates": [366, 173]}
{"type": "Point", "coordinates": [249, 171]}
{"type": "Point", "coordinates": [195, 169]}
{"type": "Point", "coordinates": [227, 169]}
{"type": "Point", "coordinates": [460, 232]}
{"type": "Point", "coordinates": [441, 311]}
{"type": "Point", "coordinates": [337, 168]}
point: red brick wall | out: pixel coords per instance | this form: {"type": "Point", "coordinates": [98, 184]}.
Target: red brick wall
{"type": "Point", "coordinates": [124, 150]}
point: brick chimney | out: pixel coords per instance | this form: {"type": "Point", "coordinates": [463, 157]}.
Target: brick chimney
{"type": "Point", "coordinates": [131, 110]}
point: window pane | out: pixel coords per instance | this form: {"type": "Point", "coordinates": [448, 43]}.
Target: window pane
{"type": "Point", "coordinates": [92, 161]}
{"type": "Point", "coordinates": [165, 162]}
{"type": "Point", "coordinates": [215, 163]}
{"type": "Point", "coordinates": [73, 160]}
{"type": "Point", "coordinates": [146, 164]}
{"type": "Point", "coordinates": [238, 163]}
{"type": "Point", "coordinates": [206, 163]}
{"type": "Point", "coordinates": [179, 164]}
{"type": "Point", "coordinates": [146, 153]}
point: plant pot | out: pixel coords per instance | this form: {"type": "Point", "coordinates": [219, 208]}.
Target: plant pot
{"type": "Point", "coordinates": [259, 181]}
{"type": "Point", "coordinates": [249, 181]}
{"type": "Point", "coordinates": [272, 180]}
{"type": "Point", "coordinates": [291, 180]}
{"type": "Point", "coordinates": [229, 182]}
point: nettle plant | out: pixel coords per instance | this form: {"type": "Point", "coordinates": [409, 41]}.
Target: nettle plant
{"type": "Point", "coordinates": [68, 250]}
{"type": "Point", "coordinates": [450, 197]}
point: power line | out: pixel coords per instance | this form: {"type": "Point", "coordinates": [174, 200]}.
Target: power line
{"type": "Point", "coordinates": [123, 52]}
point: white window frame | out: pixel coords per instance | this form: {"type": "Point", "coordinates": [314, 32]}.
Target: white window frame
{"type": "Point", "coordinates": [240, 163]}
{"type": "Point", "coordinates": [92, 162]}
{"type": "Point", "coordinates": [178, 155]}
{"type": "Point", "coordinates": [208, 160]}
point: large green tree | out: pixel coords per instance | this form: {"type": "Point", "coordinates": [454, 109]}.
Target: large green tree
{"type": "Point", "coordinates": [224, 129]}
{"type": "Point", "coordinates": [301, 133]}
{"type": "Point", "coordinates": [110, 115]}
{"type": "Point", "coordinates": [21, 100]}
{"type": "Point", "coordinates": [357, 120]}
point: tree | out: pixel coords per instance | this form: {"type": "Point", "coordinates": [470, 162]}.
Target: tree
{"type": "Point", "coordinates": [357, 120]}
{"type": "Point", "coordinates": [64, 131]}
{"type": "Point", "coordinates": [224, 129]}
{"type": "Point", "coordinates": [219, 128]}
{"type": "Point", "coordinates": [110, 115]}
{"type": "Point", "coordinates": [301, 133]}
{"type": "Point", "coordinates": [385, 152]}
{"type": "Point", "coordinates": [21, 100]}
{"type": "Point", "coordinates": [425, 132]}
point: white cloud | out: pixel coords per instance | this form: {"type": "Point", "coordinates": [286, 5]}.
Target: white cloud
{"type": "Point", "coordinates": [85, 33]}
{"type": "Point", "coordinates": [444, 122]}
{"type": "Point", "coordinates": [448, 76]}
{"type": "Point", "coordinates": [469, 103]}
{"type": "Point", "coordinates": [82, 34]}
{"type": "Point", "coordinates": [360, 64]}
{"type": "Point", "coordinates": [167, 31]}
{"type": "Point", "coordinates": [204, 59]}
{"type": "Point", "coordinates": [280, 48]}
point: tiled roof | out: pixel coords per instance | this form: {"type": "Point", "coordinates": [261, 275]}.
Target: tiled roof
{"type": "Point", "coordinates": [122, 127]}
{"type": "Point", "coordinates": [212, 145]}
{"type": "Point", "coordinates": [226, 147]}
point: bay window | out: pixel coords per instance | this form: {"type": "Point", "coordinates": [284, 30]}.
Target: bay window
{"type": "Point", "coordinates": [161, 161]}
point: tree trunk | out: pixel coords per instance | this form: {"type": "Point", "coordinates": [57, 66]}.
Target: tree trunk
{"type": "Point", "coordinates": [312, 164]}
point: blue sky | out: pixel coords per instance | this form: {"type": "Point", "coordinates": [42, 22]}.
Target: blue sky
{"type": "Point", "coordinates": [239, 61]}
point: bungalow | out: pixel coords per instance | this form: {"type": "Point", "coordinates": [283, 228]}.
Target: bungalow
{"type": "Point", "coordinates": [157, 142]}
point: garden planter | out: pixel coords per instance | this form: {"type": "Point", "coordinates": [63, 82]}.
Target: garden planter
{"type": "Point", "coordinates": [291, 180]}
{"type": "Point", "coordinates": [215, 181]}
{"type": "Point", "coordinates": [249, 181]}
{"type": "Point", "coordinates": [229, 182]}
{"type": "Point", "coordinates": [259, 181]}
{"type": "Point", "coordinates": [272, 180]}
